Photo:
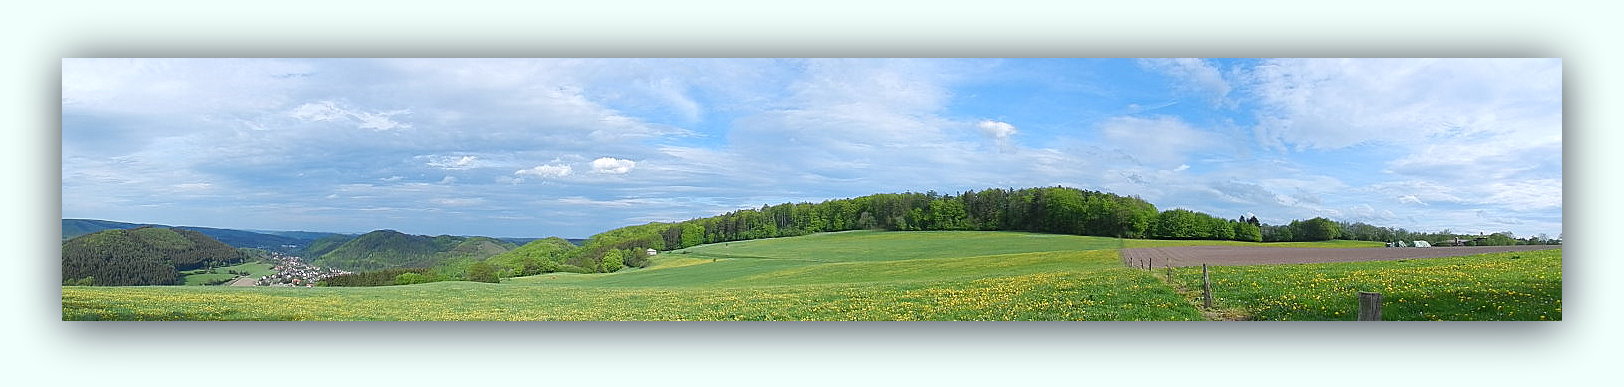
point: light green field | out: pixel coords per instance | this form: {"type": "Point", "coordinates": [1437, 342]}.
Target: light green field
{"type": "Point", "coordinates": [837, 276]}
{"type": "Point", "coordinates": [1517, 286]}
{"type": "Point", "coordinates": [204, 276]}
{"type": "Point", "coordinates": [889, 246]}
{"type": "Point", "coordinates": [869, 275]}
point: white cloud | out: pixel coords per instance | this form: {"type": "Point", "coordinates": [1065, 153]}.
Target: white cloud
{"type": "Point", "coordinates": [1418, 191]}
{"type": "Point", "coordinates": [1411, 199]}
{"type": "Point", "coordinates": [1195, 75]}
{"type": "Point", "coordinates": [318, 111]}
{"type": "Point", "coordinates": [546, 171]}
{"type": "Point", "coordinates": [996, 129]}
{"type": "Point", "coordinates": [814, 129]}
{"type": "Point", "coordinates": [324, 111]}
{"type": "Point", "coordinates": [179, 86]}
{"type": "Point", "coordinates": [1336, 103]}
{"type": "Point", "coordinates": [452, 162]}
{"type": "Point", "coordinates": [582, 201]}
{"type": "Point", "coordinates": [612, 166]}
{"type": "Point", "coordinates": [1162, 141]}
{"type": "Point", "coordinates": [458, 202]}
{"type": "Point", "coordinates": [1526, 195]}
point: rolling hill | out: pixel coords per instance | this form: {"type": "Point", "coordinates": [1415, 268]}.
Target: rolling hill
{"type": "Point", "coordinates": [140, 256]}
{"type": "Point", "coordinates": [384, 249]}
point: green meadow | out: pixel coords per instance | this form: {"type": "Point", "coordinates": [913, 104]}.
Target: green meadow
{"type": "Point", "coordinates": [1519, 286]}
{"type": "Point", "coordinates": [207, 276]}
{"type": "Point", "coordinates": [859, 275]}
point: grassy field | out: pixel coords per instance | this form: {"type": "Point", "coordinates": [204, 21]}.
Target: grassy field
{"type": "Point", "coordinates": [888, 246]}
{"type": "Point", "coordinates": [838, 276]}
{"type": "Point", "coordinates": [205, 276]}
{"type": "Point", "coordinates": [892, 276]}
{"type": "Point", "coordinates": [1500, 286]}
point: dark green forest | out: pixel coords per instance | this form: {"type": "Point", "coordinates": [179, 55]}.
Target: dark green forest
{"type": "Point", "coordinates": [141, 256]}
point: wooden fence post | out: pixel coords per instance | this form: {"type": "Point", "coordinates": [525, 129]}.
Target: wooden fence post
{"type": "Point", "coordinates": [1206, 287]}
{"type": "Point", "coordinates": [1370, 306]}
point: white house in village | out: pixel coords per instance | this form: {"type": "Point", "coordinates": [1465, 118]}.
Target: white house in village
{"type": "Point", "coordinates": [652, 252]}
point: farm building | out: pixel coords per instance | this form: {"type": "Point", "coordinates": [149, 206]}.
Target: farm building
{"type": "Point", "coordinates": [652, 252]}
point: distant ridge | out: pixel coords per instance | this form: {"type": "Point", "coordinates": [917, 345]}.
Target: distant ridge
{"type": "Point", "coordinates": [288, 242]}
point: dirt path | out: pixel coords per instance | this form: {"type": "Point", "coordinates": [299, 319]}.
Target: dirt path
{"type": "Point", "coordinates": [1250, 255]}
{"type": "Point", "coordinates": [242, 281]}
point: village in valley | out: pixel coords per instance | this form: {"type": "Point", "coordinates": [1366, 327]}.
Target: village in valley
{"type": "Point", "coordinates": [292, 272]}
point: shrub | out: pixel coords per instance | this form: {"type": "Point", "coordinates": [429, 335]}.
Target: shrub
{"type": "Point", "coordinates": [411, 278]}
{"type": "Point", "coordinates": [483, 272]}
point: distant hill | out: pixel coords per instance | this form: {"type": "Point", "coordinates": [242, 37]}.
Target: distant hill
{"type": "Point", "coordinates": [385, 249]}
{"type": "Point", "coordinates": [140, 256]}
{"type": "Point", "coordinates": [325, 245]}
{"type": "Point", "coordinates": [524, 241]}
{"type": "Point", "coordinates": [280, 241]}
{"type": "Point", "coordinates": [304, 235]}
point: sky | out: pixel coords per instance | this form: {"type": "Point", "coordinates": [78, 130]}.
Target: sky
{"type": "Point", "coordinates": [573, 147]}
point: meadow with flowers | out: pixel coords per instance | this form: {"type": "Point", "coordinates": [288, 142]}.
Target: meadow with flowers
{"type": "Point", "coordinates": [864, 275]}
{"type": "Point", "coordinates": [1515, 286]}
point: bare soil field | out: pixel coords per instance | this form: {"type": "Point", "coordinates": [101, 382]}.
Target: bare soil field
{"type": "Point", "coordinates": [1260, 255]}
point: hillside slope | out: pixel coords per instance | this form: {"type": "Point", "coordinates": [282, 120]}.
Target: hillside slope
{"type": "Point", "coordinates": [384, 249]}
{"type": "Point", "coordinates": [140, 256]}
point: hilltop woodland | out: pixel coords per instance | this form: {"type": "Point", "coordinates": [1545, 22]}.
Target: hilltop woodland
{"type": "Point", "coordinates": [152, 256]}
{"type": "Point", "coordinates": [1058, 210]}
{"type": "Point", "coordinates": [141, 256]}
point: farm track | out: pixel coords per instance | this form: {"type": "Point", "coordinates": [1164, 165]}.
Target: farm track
{"type": "Point", "coordinates": [1259, 255]}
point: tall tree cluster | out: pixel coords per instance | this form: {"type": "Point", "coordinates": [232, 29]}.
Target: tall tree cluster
{"type": "Point", "coordinates": [1060, 210]}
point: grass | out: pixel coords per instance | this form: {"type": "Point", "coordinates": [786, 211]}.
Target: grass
{"type": "Point", "coordinates": [205, 276]}
{"type": "Point", "coordinates": [1116, 294]}
{"type": "Point", "coordinates": [893, 276]}
{"type": "Point", "coordinates": [837, 276]}
{"type": "Point", "coordinates": [887, 246]}
{"type": "Point", "coordinates": [1518, 286]}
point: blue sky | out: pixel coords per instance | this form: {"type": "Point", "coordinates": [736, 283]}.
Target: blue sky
{"type": "Point", "coordinates": [572, 147]}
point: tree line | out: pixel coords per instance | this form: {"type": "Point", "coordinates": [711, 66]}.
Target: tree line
{"type": "Point", "coordinates": [1058, 210]}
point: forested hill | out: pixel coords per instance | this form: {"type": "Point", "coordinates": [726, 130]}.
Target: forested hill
{"type": "Point", "coordinates": [1060, 210]}
{"type": "Point", "coordinates": [140, 256]}
{"type": "Point", "coordinates": [384, 249]}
